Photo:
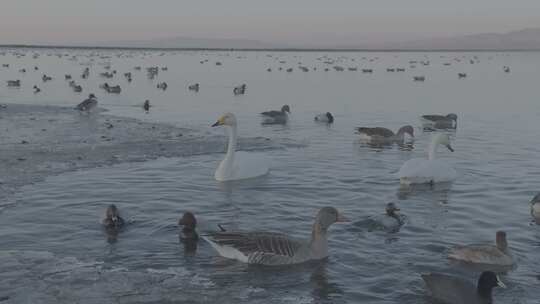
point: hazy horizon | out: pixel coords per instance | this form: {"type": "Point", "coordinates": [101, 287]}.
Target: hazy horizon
{"type": "Point", "coordinates": [301, 22]}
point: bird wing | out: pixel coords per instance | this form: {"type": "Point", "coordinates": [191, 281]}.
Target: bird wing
{"type": "Point", "coordinates": [257, 247]}
{"type": "Point", "coordinates": [377, 131]}
{"type": "Point", "coordinates": [272, 113]}
{"type": "Point", "coordinates": [434, 117]}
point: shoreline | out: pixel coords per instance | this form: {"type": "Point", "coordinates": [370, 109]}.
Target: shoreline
{"type": "Point", "coordinates": [40, 141]}
{"type": "Point", "coordinates": [190, 49]}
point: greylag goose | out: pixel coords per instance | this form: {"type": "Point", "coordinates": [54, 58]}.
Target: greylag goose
{"type": "Point", "coordinates": [384, 134]}
{"type": "Point", "coordinates": [194, 87]}
{"type": "Point", "coordinates": [240, 90]}
{"type": "Point", "coordinates": [448, 121]}
{"type": "Point", "coordinates": [453, 290]}
{"type": "Point", "coordinates": [268, 248]}
{"type": "Point", "coordinates": [486, 254]}
{"type": "Point", "coordinates": [326, 117]}
{"type": "Point", "coordinates": [276, 117]}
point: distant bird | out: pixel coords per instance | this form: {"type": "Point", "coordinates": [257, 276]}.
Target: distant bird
{"type": "Point", "coordinates": [88, 104]}
{"type": "Point", "coordinates": [46, 78]}
{"type": "Point", "coordinates": [162, 85]}
{"type": "Point", "coordinates": [14, 83]}
{"type": "Point", "coordinates": [272, 249]}
{"type": "Point", "coordinates": [485, 254]}
{"type": "Point", "coordinates": [77, 88]}
{"type": "Point", "coordinates": [240, 90]}
{"type": "Point", "coordinates": [112, 218]}
{"type": "Point", "coordinates": [325, 117]}
{"type": "Point", "coordinates": [146, 105]}
{"type": "Point", "coordinates": [462, 75]}
{"type": "Point", "coordinates": [535, 207]}
{"type": "Point", "coordinates": [448, 121]}
{"type": "Point", "coordinates": [276, 117]}
{"type": "Point", "coordinates": [384, 134]}
{"type": "Point", "coordinates": [36, 89]}
{"type": "Point", "coordinates": [453, 290]}
{"type": "Point", "coordinates": [67, 77]}
{"type": "Point", "coordinates": [506, 69]}
{"type": "Point", "coordinates": [194, 87]}
{"type": "Point", "coordinates": [114, 89]}
{"type": "Point", "coordinates": [419, 78]}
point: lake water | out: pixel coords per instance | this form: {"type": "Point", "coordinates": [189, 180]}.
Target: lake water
{"type": "Point", "coordinates": [53, 249]}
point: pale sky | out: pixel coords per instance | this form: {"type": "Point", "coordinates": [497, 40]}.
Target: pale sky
{"type": "Point", "coordinates": [73, 21]}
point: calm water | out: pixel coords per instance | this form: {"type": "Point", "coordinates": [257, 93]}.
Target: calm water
{"type": "Point", "coordinates": [54, 250]}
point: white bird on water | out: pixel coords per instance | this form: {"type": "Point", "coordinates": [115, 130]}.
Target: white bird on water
{"type": "Point", "coordinates": [430, 170]}
{"type": "Point", "coordinates": [238, 164]}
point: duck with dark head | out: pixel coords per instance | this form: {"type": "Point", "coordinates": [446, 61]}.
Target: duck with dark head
{"type": "Point", "coordinates": [188, 235]}
{"type": "Point", "coordinates": [112, 222]}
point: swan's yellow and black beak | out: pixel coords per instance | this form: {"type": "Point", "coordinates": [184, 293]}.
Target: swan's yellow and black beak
{"type": "Point", "coordinates": [450, 148]}
{"type": "Point", "coordinates": [219, 122]}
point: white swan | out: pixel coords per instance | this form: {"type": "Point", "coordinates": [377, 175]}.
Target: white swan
{"type": "Point", "coordinates": [431, 170]}
{"type": "Point", "coordinates": [237, 164]}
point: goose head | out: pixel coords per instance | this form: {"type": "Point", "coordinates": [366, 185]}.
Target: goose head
{"type": "Point", "coordinates": [443, 139]}
{"type": "Point", "coordinates": [286, 108]}
{"type": "Point", "coordinates": [406, 129]}
{"type": "Point", "coordinates": [328, 216]}
{"type": "Point", "coordinates": [500, 240]}
{"type": "Point", "coordinates": [227, 119]}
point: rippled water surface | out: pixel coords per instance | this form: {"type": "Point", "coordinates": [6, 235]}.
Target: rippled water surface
{"type": "Point", "coordinates": [54, 250]}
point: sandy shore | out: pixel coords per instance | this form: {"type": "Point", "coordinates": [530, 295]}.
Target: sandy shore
{"type": "Point", "coordinates": [38, 141]}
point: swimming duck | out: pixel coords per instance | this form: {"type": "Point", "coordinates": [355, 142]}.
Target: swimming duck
{"type": "Point", "coordinates": [36, 89]}
{"type": "Point", "coordinates": [238, 164]}
{"type": "Point", "coordinates": [453, 290]}
{"type": "Point", "coordinates": [114, 89]}
{"type": "Point", "coordinates": [112, 218]}
{"type": "Point", "coordinates": [276, 117]}
{"type": "Point", "coordinates": [486, 254]}
{"type": "Point", "coordinates": [535, 207]}
{"type": "Point", "coordinates": [430, 170]}
{"type": "Point", "coordinates": [194, 87]}
{"type": "Point", "coordinates": [269, 248]}
{"type": "Point", "coordinates": [448, 121]}
{"type": "Point", "coordinates": [240, 90]}
{"type": "Point", "coordinates": [384, 134]}
{"type": "Point", "coordinates": [88, 104]}
{"type": "Point", "coordinates": [188, 224]}
{"type": "Point", "coordinates": [14, 83]}
{"type": "Point", "coordinates": [325, 117]}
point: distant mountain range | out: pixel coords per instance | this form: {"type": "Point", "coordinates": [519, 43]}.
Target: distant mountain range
{"type": "Point", "coordinates": [526, 39]}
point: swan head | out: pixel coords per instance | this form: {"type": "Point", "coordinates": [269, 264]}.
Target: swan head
{"type": "Point", "coordinates": [328, 216]}
{"type": "Point", "coordinates": [227, 119]}
{"type": "Point", "coordinates": [286, 108]}
{"type": "Point", "coordinates": [391, 209]}
{"type": "Point", "coordinates": [442, 139]}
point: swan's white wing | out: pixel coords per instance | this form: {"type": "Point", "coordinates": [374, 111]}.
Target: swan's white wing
{"type": "Point", "coordinates": [419, 171]}
{"type": "Point", "coordinates": [246, 165]}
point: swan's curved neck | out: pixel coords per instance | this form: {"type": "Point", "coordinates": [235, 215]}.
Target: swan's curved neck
{"type": "Point", "coordinates": [231, 147]}
{"type": "Point", "coordinates": [432, 150]}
